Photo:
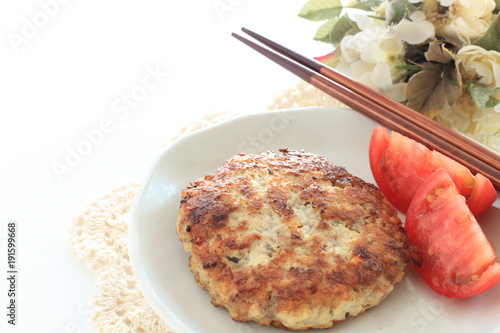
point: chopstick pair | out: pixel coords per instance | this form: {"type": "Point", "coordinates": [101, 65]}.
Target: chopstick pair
{"type": "Point", "coordinates": [382, 109]}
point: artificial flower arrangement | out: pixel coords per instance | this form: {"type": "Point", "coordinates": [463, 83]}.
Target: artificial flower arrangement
{"type": "Point", "coordinates": [439, 57]}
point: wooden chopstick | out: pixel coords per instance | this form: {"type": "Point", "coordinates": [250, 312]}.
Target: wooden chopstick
{"type": "Point", "coordinates": [403, 111]}
{"type": "Point", "coordinates": [382, 109]}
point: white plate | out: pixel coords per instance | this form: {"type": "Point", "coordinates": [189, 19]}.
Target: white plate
{"type": "Point", "coordinates": [161, 266]}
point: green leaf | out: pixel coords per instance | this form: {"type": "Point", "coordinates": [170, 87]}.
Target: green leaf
{"type": "Point", "coordinates": [369, 4]}
{"type": "Point", "coordinates": [491, 40]}
{"type": "Point", "coordinates": [320, 10]}
{"type": "Point", "coordinates": [481, 95]}
{"type": "Point", "coordinates": [492, 102]}
{"type": "Point", "coordinates": [497, 8]}
{"type": "Point", "coordinates": [403, 10]}
{"type": "Point", "coordinates": [333, 31]}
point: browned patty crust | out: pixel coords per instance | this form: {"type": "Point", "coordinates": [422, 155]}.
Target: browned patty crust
{"type": "Point", "coordinates": [290, 240]}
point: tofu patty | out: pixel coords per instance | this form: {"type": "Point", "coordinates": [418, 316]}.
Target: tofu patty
{"type": "Point", "coordinates": [289, 240]}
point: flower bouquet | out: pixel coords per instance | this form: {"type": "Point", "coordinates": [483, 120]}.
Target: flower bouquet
{"type": "Point", "coordinates": [439, 57]}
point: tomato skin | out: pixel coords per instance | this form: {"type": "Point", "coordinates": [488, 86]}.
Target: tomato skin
{"type": "Point", "coordinates": [457, 258]}
{"type": "Point", "coordinates": [489, 279]}
{"type": "Point", "coordinates": [330, 59]}
{"type": "Point", "coordinates": [324, 58]}
{"type": "Point", "coordinates": [401, 165]}
{"type": "Point", "coordinates": [379, 142]}
{"type": "Point", "coordinates": [483, 195]}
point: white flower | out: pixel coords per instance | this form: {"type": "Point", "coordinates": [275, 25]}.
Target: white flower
{"type": "Point", "coordinates": [381, 78]}
{"type": "Point", "coordinates": [364, 21]}
{"type": "Point", "coordinates": [463, 22]}
{"type": "Point", "coordinates": [371, 55]}
{"type": "Point", "coordinates": [415, 29]}
{"type": "Point", "coordinates": [466, 118]}
{"type": "Point", "coordinates": [349, 48]}
{"type": "Point", "coordinates": [446, 3]}
{"type": "Point", "coordinates": [373, 45]}
{"type": "Point", "coordinates": [476, 64]}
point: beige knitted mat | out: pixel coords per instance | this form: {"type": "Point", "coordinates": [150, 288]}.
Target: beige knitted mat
{"type": "Point", "coordinates": [98, 237]}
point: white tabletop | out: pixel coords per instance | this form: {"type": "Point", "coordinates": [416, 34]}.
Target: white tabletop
{"type": "Point", "coordinates": [89, 92]}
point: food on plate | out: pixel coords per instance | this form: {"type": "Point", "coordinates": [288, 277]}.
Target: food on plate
{"type": "Point", "coordinates": [457, 258]}
{"type": "Point", "coordinates": [401, 165]}
{"type": "Point", "coordinates": [483, 195]}
{"type": "Point", "coordinates": [289, 240]}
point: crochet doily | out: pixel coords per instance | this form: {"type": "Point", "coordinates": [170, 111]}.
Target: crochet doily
{"type": "Point", "coordinates": [99, 235]}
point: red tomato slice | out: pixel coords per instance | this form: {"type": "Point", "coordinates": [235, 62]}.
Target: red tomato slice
{"type": "Point", "coordinates": [400, 165]}
{"type": "Point", "coordinates": [483, 195]}
{"type": "Point", "coordinates": [457, 258]}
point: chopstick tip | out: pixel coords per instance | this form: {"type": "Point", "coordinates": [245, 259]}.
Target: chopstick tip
{"type": "Point", "coordinates": [235, 35]}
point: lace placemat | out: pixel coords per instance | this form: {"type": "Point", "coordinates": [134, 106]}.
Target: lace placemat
{"type": "Point", "coordinates": [99, 235]}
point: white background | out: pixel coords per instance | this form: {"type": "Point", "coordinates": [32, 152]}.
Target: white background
{"type": "Point", "coordinates": [66, 68]}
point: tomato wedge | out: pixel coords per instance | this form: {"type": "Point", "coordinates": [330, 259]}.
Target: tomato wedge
{"type": "Point", "coordinates": [457, 258]}
{"type": "Point", "coordinates": [401, 165]}
{"type": "Point", "coordinates": [483, 195]}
